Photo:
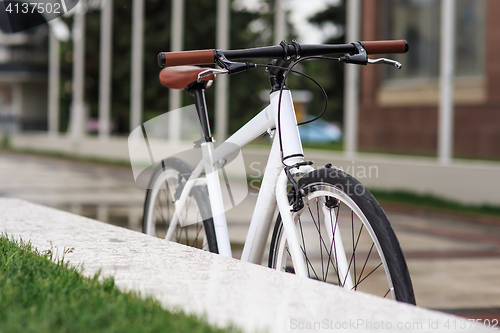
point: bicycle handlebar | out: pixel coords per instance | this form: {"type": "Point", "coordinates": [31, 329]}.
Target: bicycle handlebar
{"type": "Point", "coordinates": [386, 46]}
{"type": "Point", "coordinates": [199, 57]}
{"type": "Point", "coordinates": [206, 57]}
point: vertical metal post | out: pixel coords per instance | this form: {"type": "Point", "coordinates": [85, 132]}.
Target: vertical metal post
{"type": "Point", "coordinates": [279, 22]}
{"type": "Point", "coordinates": [445, 133]}
{"type": "Point", "coordinates": [177, 35]}
{"type": "Point", "coordinates": [105, 68]}
{"type": "Point", "coordinates": [53, 121]}
{"type": "Point", "coordinates": [351, 94]}
{"type": "Point", "coordinates": [77, 117]}
{"type": "Point", "coordinates": [136, 63]}
{"type": "Point", "coordinates": [221, 89]}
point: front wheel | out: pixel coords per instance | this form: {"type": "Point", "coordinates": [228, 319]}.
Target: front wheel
{"type": "Point", "coordinates": [346, 238]}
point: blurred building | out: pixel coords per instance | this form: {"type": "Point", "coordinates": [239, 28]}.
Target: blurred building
{"type": "Point", "coordinates": [399, 109]}
{"type": "Point", "coordinates": [23, 80]}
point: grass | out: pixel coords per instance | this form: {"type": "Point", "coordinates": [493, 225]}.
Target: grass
{"type": "Point", "coordinates": [69, 157]}
{"type": "Point", "coordinates": [330, 146]}
{"type": "Point", "coordinates": [39, 295]}
{"type": "Point", "coordinates": [5, 142]}
{"type": "Point", "coordinates": [434, 203]}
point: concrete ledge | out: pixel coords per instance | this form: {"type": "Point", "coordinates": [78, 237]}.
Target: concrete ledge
{"type": "Point", "coordinates": [224, 290]}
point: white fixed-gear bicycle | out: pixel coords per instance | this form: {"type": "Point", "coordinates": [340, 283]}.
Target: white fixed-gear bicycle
{"type": "Point", "coordinates": [327, 225]}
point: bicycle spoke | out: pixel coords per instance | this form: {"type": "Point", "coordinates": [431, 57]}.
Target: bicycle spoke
{"type": "Point", "coordinates": [286, 249]}
{"type": "Point", "coordinates": [303, 243]}
{"type": "Point", "coordinates": [161, 210]}
{"type": "Point", "coordinates": [320, 248]}
{"type": "Point", "coordinates": [185, 226]}
{"type": "Point", "coordinates": [304, 251]}
{"type": "Point", "coordinates": [335, 249]}
{"type": "Point", "coordinates": [336, 219]}
{"type": "Point", "coordinates": [333, 245]}
{"type": "Point", "coordinates": [329, 255]}
{"type": "Point", "coordinates": [364, 266]}
{"type": "Point", "coordinates": [354, 246]}
{"type": "Point", "coordinates": [309, 263]}
{"type": "Point", "coordinates": [353, 255]}
{"type": "Point", "coordinates": [321, 239]}
{"type": "Point", "coordinates": [197, 234]}
{"type": "Point", "coordinates": [322, 242]}
{"type": "Point", "coordinates": [167, 185]}
{"type": "Point", "coordinates": [370, 273]}
{"type": "Point", "coordinates": [178, 232]}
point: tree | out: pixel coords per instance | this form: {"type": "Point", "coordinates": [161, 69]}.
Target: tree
{"type": "Point", "coordinates": [200, 26]}
{"type": "Point", "coordinates": [330, 74]}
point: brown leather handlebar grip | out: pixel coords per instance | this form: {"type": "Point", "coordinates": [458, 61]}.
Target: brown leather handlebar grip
{"type": "Point", "coordinates": [199, 57]}
{"type": "Point", "coordinates": [386, 46]}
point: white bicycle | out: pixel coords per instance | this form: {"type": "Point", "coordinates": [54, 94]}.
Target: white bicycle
{"type": "Point", "coordinates": [327, 225]}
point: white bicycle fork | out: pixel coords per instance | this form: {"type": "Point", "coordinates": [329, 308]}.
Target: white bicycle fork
{"type": "Point", "coordinates": [292, 154]}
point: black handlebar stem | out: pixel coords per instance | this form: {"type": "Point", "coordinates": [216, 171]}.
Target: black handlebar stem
{"type": "Point", "coordinates": [277, 71]}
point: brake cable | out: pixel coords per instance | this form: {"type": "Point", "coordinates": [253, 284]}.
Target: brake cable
{"type": "Point", "coordinates": [282, 87]}
{"type": "Point", "coordinates": [234, 67]}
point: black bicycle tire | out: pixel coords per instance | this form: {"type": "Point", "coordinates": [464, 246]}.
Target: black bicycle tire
{"type": "Point", "coordinates": [378, 221]}
{"type": "Point", "coordinates": [199, 193]}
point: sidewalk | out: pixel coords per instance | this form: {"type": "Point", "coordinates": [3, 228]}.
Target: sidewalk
{"type": "Point", "coordinates": [469, 182]}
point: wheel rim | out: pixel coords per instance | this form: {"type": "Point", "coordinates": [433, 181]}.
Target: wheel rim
{"type": "Point", "coordinates": [189, 230]}
{"type": "Point", "coordinates": [366, 265]}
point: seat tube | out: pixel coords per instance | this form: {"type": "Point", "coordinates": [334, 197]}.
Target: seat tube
{"type": "Point", "coordinates": [216, 199]}
{"type": "Point", "coordinates": [286, 122]}
{"type": "Point", "coordinates": [211, 172]}
{"type": "Point", "coordinates": [198, 92]}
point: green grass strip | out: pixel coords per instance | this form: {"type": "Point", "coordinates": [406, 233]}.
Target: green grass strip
{"type": "Point", "coordinates": [39, 295]}
{"type": "Point", "coordinates": [5, 142]}
{"type": "Point", "coordinates": [69, 156]}
{"type": "Point", "coordinates": [434, 203]}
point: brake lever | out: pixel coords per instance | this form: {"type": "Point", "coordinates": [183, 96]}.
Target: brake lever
{"type": "Point", "coordinates": [211, 71]}
{"type": "Point", "coordinates": [385, 61]}
{"type": "Point", "coordinates": [231, 66]}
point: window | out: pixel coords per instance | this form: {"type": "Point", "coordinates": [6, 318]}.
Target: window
{"type": "Point", "coordinates": [418, 21]}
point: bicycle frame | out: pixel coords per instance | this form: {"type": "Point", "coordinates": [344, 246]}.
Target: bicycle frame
{"type": "Point", "coordinates": [273, 191]}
